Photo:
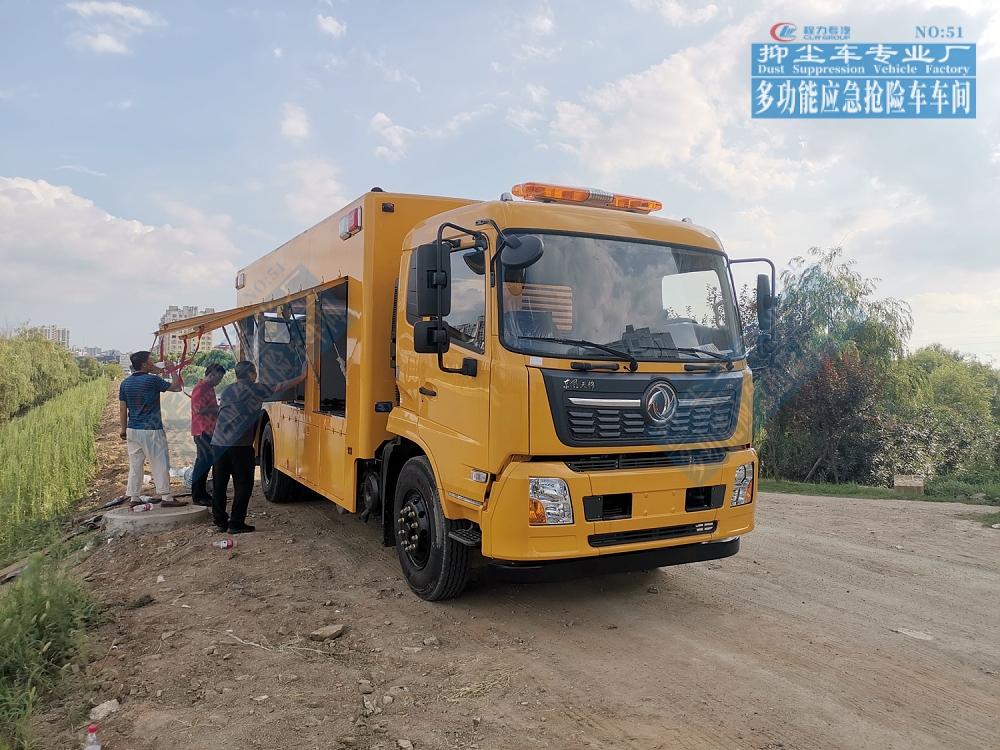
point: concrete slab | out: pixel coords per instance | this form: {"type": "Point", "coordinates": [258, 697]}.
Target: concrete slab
{"type": "Point", "coordinates": [153, 521]}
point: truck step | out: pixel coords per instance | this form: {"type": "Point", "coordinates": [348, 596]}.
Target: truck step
{"type": "Point", "coordinates": [468, 537]}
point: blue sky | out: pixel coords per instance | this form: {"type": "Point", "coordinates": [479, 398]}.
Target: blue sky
{"type": "Point", "coordinates": [152, 148]}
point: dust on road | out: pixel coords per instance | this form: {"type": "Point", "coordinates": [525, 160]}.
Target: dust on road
{"type": "Point", "coordinates": [841, 623]}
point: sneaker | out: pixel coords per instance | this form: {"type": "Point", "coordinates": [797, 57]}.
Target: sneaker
{"type": "Point", "coordinates": [243, 528]}
{"type": "Point", "coordinates": [173, 503]}
{"type": "Point", "coordinates": [202, 503]}
{"type": "Point", "coordinates": [222, 528]}
{"type": "Point", "coordinates": [149, 499]}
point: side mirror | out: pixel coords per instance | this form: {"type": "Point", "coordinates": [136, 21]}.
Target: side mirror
{"type": "Point", "coordinates": [429, 338]}
{"type": "Point", "coordinates": [433, 280]}
{"type": "Point", "coordinates": [521, 252]}
{"type": "Point", "coordinates": [765, 303]}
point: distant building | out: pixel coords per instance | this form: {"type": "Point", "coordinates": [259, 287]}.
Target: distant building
{"type": "Point", "coordinates": [174, 345]}
{"type": "Point", "coordinates": [125, 362]}
{"type": "Point", "coordinates": [56, 334]}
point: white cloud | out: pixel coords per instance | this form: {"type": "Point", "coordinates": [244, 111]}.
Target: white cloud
{"type": "Point", "coordinates": [318, 195]}
{"type": "Point", "coordinates": [82, 169]}
{"type": "Point", "coordinates": [677, 112]}
{"type": "Point", "coordinates": [678, 13]}
{"type": "Point", "coordinates": [108, 24]}
{"type": "Point", "coordinates": [296, 123]}
{"type": "Point", "coordinates": [397, 136]}
{"type": "Point", "coordinates": [531, 51]}
{"type": "Point", "coordinates": [522, 119]}
{"type": "Point", "coordinates": [124, 104]}
{"type": "Point", "coordinates": [393, 74]}
{"type": "Point", "coordinates": [538, 94]}
{"type": "Point", "coordinates": [542, 23]}
{"type": "Point", "coordinates": [278, 52]}
{"type": "Point", "coordinates": [331, 25]}
{"type": "Point", "coordinates": [62, 257]}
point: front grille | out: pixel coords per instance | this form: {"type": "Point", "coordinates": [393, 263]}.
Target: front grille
{"type": "Point", "coordinates": [662, 460]}
{"type": "Point", "coordinates": [605, 409]}
{"type": "Point", "coordinates": [650, 535]}
{"type": "Point", "coordinates": [698, 419]}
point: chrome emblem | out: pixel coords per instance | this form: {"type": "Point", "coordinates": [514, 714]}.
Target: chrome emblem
{"type": "Point", "coordinates": [659, 403]}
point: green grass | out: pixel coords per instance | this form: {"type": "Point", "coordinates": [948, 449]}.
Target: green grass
{"type": "Point", "coordinates": [827, 490]}
{"type": "Point", "coordinates": [987, 519]}
{"type": "Point", "coordinates": [47, 457]}
{"type": "Point", "coordinates": [43, 619]}
{"type": "Point", "coordinates": [938, 490]}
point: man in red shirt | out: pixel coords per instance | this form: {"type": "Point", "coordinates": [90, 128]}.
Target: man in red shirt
{"type": "Point", "coordinates": [204, 416]}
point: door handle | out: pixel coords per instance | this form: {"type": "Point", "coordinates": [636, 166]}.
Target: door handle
{"type": "Point", "coordinates": [427, 391]}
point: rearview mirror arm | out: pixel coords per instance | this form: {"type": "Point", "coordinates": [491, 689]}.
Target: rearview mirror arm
{"type": "Point", "coordinates": [774, 273]}
{"type": "Point", "coordinates": [469, 365]}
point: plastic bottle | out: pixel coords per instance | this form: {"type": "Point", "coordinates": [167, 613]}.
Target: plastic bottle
{"type": "Point", "coordinates": [224, 544]}
{"type": "Point", "coordinates": [92, 743]}
{"type": "Point", "coordinates": [141, 508]}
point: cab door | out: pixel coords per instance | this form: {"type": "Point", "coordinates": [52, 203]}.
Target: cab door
{"type": "Point", "coordinates": [454, 409]}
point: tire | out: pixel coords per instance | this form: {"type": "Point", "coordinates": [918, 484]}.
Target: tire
{"type": "Point", "coordinates": [435, 565]}
{"type": "Point", "coordinates": [277, 487]}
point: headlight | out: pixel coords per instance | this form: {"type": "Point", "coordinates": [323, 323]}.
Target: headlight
{"type": "Point", "coordinates": [742, 486]}
{"type": "Point", "coordinates": [549, 502]}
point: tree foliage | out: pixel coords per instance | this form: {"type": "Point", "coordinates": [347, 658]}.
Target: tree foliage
{"type": "Point", "coordinates": [32, 370]}
{"type": "Point", "coordinates": [844, 400]}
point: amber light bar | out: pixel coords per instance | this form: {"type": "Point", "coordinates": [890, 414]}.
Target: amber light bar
{"type": "Point", "coordinates": [539, 191]}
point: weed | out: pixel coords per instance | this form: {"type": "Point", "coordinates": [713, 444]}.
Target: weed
{"type": "Point", "coordinates": [828, 490]}
{"type": "Point", "coordinates": [47, 457]}
{"type": "Point", "coordinates": [43, 619]}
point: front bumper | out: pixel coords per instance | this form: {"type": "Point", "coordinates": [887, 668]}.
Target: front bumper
{"type": "Point", "coordinates": [623, 562]}
{"type": "Point", "coordinates": [659, 520]}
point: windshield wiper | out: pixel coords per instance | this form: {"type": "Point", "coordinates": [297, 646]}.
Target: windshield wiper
{"type": "Point", "coordinates": [633, 365]}
{"type": "Point", "coordinates": [725, 358]}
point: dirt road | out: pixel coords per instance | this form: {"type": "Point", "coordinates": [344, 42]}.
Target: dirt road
{"type": "Point", "coordinates": [842, 623]}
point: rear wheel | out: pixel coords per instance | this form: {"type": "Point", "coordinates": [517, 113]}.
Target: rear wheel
{"type": "Point", "coordinates": [435, 565]}
{"type": "Point", "coordinates": [277, 487]}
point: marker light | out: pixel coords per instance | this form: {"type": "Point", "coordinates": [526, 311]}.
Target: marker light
{"type": "Point", "coordinates": [350, 223]}
{"type": "Point", "coordinates": [538, 191]}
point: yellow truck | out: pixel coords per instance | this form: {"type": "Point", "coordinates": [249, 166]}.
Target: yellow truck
{"type": "Point", "coordinates": [559, 381]}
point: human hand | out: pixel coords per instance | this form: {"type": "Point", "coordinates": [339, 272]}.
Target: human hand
{"type": "Point", "coordinates": [123, 435]}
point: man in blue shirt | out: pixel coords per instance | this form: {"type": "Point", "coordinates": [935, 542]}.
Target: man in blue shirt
{"type": "Point", "coordinates": [142, 426]}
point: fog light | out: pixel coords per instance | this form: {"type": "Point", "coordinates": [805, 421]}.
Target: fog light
{"type": "Point", "coordinates": [742, 486]}
{"type": "Point", "coordinates": [549, 502]}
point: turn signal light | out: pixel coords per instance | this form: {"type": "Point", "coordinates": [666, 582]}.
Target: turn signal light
{"type": "Point", "coordinates": [538, 191]}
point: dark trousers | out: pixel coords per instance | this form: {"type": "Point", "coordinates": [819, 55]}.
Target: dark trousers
{"type": "Point", "coordinates": [237, 462]}
{"type": "Point", "coordinates": [204, 461]}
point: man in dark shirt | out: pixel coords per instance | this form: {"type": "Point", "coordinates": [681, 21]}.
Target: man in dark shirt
{"type": "Point", "coordinates": [239, 410]}
{"type": "Point", "coordinates": [204, 415]}
{"type": "Point", "coordinates": [142, 426]}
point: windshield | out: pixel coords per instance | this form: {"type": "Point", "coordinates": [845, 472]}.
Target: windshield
{"type": "Point", "coordinates": [653, 302]}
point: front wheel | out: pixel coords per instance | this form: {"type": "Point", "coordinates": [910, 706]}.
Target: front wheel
{"type": "Point", "coordinates": [435, 565]}
{"type": "Point", "coordinates": [277, 487]}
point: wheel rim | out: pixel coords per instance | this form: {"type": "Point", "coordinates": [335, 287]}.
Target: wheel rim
{"type": "Point", "coordinates": [266, 462]}
{"type": "Point", "coordinates": [413, 530]}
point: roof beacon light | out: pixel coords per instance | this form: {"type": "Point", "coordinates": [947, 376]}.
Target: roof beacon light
{"type": "Point", "coordinates": [350, 223]}
{"type": "Point", "coordinates": [538, 191]}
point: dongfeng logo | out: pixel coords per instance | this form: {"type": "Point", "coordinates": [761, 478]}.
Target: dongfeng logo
{"type": "Point", "coordinates": [659, 403]}
{"type": "Point", "coordinates": [783, 32]}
